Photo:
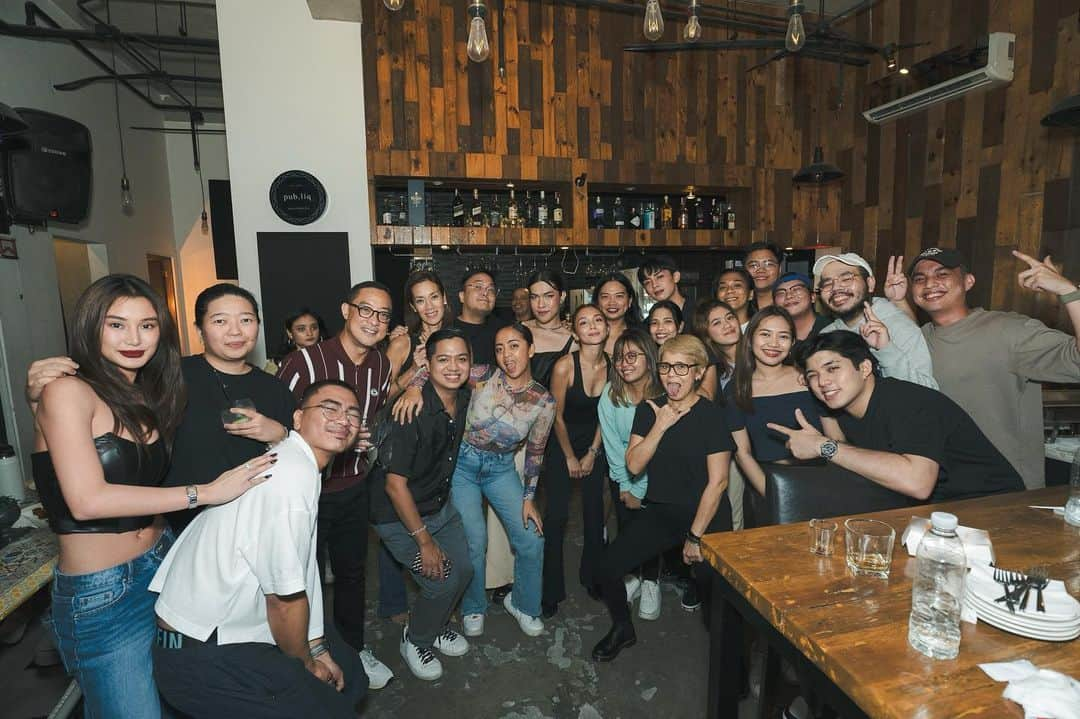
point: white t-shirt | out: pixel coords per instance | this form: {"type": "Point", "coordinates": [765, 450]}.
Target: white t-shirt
{"type": "Point", "coordinates": [219, 571]}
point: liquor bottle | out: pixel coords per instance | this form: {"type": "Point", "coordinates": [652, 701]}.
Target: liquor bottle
{"type": "Point", "coordinates": [665, 214]}
{"type": "Point", "coordinates": [542, 211]}
{"type": "Point", "coordinates": [648, 217]}
{"type": "Point", "coordinates": [476, 211]}
{"type": "Point", "coordinates": [598, 214]}
{"type": "Point", "coordinates": [495, 215]}
{"type": "Point", "coordinates": [729, 218]}
{"type": "Point", "coordinates": [717, 216]}
{"type": "Point", "coordinates": [701, 214]}
{"type": "Point", "coordinates": [513, 218]}
{"type": "Point", "coordinates": [684, 216]}
{"type": "Point", "coordinates": [635, 217]}
{"type": "Point", "coordinates": [403, 212]}
{"type": "Point", "coordinates": [528, 218]}
{"type": "Point", "coordinates": [556, 212]}
{"type": "Point", "coordinates": [619, 214]}
{"type": "Point", "coordinates": [457, 211]}
{"type": "Point", "coordinates": [388, 211]}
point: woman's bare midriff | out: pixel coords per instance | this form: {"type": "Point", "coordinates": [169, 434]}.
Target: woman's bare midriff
{"type": "Point", "coordinates": [87, 553]}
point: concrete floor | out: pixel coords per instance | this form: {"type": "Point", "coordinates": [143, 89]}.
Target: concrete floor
{"type": "Point", "coordinates": [505, 675]}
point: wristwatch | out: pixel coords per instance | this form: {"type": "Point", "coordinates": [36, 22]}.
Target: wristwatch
{"type": "Point", "coordinates": [828, 449]}
{"type": "Point", "coordinates": [192, 496]}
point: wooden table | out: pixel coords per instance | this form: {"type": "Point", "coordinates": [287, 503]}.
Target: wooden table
{"type": "Point", "coordinates": [851, 632]}
{"type": "Point", "coordinates": [26, 565]}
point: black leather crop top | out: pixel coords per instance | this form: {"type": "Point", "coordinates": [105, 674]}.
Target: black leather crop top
{"type": "Point", "coordinates": [122, 463]}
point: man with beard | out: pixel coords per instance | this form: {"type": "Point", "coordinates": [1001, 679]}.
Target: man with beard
{"type": "Point", "coordinates": [845, 283]}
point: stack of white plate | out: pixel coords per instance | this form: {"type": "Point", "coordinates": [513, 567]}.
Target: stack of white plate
{"type": "Point", "coordinates": [1059, 623]}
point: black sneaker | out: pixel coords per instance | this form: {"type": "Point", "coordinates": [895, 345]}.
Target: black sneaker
{"type": "Point", "coordinates": [690, 600]}
{"type": "Point", "coordinates": [499, 593]}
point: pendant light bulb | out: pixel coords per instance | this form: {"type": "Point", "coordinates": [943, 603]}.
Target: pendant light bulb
{"type": "Point", "coordinates": [127, 202]}
{"type": "Point", "coordinates": [692, 31]}
{"type": "Point", "coordinates": [205, 224]}
{"type": "Point", "coordinates": [654, 21]}
{"type": "Point", "coordinates": [478, 47]}
{"type": "Point", "coordinates": [796, 31]}
{"type": "Point", "coordinates": [393, 5]}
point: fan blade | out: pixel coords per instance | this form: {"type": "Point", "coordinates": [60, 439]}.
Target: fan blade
{"type": "Point", "coordinates": [763, 63]}
{"type": "Point", "coordinates": [704, 45]}
{"type": "Point", "coordinates": [161, 76]}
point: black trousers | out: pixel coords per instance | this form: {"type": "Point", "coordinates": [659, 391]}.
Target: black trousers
{"type": "Point", "coordinates": [650, 568]}
{"type": "Point", "coordinates": [557, 485]}
{"type": "Point", "coordinates": [659, 527]}
{"type": "Point", "coordinates": [206, 681]}
{"type": "Point", "coordinates": [343, 534]}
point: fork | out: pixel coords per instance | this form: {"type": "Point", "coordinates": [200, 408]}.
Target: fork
{"type": "Point", "coordinates": [1005, 578]}
{"type": "Point", "coordinates": [1039, 577]}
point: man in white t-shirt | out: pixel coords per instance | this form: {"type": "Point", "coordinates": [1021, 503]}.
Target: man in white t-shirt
{"type": "Point", "coordinates": [240, 616]}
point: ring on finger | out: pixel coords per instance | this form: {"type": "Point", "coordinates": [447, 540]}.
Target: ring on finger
{"type": "Point", "coordinates": [247, 465]}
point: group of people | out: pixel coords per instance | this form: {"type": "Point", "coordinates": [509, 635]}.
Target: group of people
{"type": "Point", "coordinates": [200, 501]}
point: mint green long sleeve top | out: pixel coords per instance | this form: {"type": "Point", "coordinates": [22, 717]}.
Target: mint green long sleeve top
{"type": "Point", "coordinates": [615, 425]}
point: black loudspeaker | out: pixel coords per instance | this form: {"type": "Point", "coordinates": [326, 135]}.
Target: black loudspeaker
{"type": "Point", "coordinates": [47, 170]}
{"type": "Point", "coordinates": [221, 220]}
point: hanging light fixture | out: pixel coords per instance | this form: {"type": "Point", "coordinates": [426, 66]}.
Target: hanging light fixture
{"type": "Point", "coordinates": [796, 31]}
{"type": "Point", "coordinates": [692, 31]}
{"type": "Point", "coordinates": [393, 5]}
{"type": "Point", "coordinates": [654, 21]}
{"type": "Point", "coordinates": [818, 172]}
{"type": "Point", "coordinates": [478, 47]}
{"type": "Point", "coordinates": [127, 202]}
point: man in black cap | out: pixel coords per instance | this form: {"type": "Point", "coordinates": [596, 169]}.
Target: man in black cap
{"type": "Point", "coordinates": [990, 362]}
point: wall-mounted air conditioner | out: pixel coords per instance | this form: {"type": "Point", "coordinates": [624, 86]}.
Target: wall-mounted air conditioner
{"type": "Point", "coordinates": [997, 71]}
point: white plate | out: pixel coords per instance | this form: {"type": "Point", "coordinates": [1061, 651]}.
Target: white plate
{"type": "Point", "coordinates": [1029, 620]}
{"type": "Point", "coordinates": [1042, 635]}
{"type": "Point", "coordinates": [1060, 605]}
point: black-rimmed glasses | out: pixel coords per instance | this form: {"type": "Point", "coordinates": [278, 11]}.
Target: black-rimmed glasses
{"type": "Point", "coordinates": [367, 312]}
{"type": "Point", "coordinates": [681, 369]}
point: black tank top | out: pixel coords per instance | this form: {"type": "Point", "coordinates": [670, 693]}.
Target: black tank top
{"type": "Point", "coordinates": [580, 411]}
{"type": "Point", "coordinates": [122, 463]}
{"type": "Point", "coordinates": [543, 363]}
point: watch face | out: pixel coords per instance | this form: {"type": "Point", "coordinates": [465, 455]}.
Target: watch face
{"type": "Point", "coordinates": [828, 449]}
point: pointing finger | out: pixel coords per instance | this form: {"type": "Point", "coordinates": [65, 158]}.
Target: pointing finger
{"type": "Point", "coordinates": [1026, 258]}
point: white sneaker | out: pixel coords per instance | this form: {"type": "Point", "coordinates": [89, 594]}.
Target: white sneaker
{"type": "Point", "coordinates": [633, 588]}
{"type": "Point", "coordinates": [532, 626]}
{"type": "Point", "coordinates": [473, 624]}
{"type": "Point", "coordinates": [649, 608]}
{"type": "Point", "coordinates": [451, 643]}
{"type": "Point", "coordinates": [422, 662]}
{"type": "Point", "coordinates": [378, 673]}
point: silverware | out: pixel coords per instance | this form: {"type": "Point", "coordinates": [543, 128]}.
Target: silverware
{"type": "Point", "coordinates": [1007, 578]}
{"type": "Point", "coordinates": [1040, 578]}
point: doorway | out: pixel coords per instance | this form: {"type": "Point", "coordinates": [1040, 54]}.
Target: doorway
{"type": "Point", "coordinates": [78, 264]}
{"type": "Point", "coordinates": [159, 273]}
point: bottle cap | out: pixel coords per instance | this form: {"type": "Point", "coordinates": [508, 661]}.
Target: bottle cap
{"type": "Point", "coordinates": [944, 521]}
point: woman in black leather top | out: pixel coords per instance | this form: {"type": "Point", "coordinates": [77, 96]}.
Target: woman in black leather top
{"type": "Point", "coordinates": [101, 449]}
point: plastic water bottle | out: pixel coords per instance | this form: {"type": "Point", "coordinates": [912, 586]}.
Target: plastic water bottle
{"type": "Point", "coordinates": [1072, 507]}
{"type": "Point", "coordinates": [938, 590]}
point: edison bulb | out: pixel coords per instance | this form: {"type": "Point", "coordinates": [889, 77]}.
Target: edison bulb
{"type": "Point", "coordinates": [393, 5]}
{"type": "Point", "coordinates": [478, 47]}
{"type": "Point", "coordinates": [127, 202]}
{"type": "Point", "coordinates": [654, 20]}
{"type": "Point", "coordinates": [692, 31]}
{"type": "Point", "coordinates": [796, 33]}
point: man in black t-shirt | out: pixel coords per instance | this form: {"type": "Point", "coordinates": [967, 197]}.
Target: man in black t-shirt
{"type": "Point", "coordinates": [906, 437]}
{"type": "Point", "coordinates": [477, 319]}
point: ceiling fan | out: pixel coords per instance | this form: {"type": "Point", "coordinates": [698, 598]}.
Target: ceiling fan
{"type": "Point", "coordinates": [823, 43]}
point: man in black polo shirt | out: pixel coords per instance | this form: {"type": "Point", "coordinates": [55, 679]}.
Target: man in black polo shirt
{"type": "Point", "coordinates": [906, 437]}
{"type": "Point", "coordinates": [477, 319]}
{"type": "Point", "coordinates": [410, 504]}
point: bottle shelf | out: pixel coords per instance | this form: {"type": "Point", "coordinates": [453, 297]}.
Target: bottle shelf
{"type": "Point", "coordinates": [462, 236]}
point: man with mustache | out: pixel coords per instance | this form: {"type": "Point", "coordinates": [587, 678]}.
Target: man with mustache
{"type": "Point", "coordinates": [845, 284]}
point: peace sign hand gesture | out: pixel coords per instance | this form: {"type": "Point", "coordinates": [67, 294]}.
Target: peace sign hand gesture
{"type": "Point", "coordinates": [1043, 276]}
{"type": "Point", "coordinates": [805, 442]}
{"type": "Point", "coordinates": [666, 416]}
{"type": "Point", "coordinates": [874, 330]}
{"type": "Point", "coordinates": [896, 282]}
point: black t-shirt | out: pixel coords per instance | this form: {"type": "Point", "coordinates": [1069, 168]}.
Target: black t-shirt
{"type": "Point", "coordinates": [678, 471]}
{"type": "Point", "coordinates": [481, 338]}
{"type": "Point", "coordinates": [907, 418]}
{"type": "Point", "coordinates": [820, 323]}
{"type": "Point", "coordinates": [424, 451]}
{"type": "Point", "coordinates": [203, 449]}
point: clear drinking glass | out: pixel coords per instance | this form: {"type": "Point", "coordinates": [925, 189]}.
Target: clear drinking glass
{"type": "Point", "coordinates": [822, 532]}
{"type": "Point", "coordinates": [869, 547]}
{"type": "Point", "coordinates": [230, 417]}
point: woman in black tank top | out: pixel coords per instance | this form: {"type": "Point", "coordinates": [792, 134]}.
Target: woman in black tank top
{"type": "Point", "coordinates": [101, 444]}
{"type": "Point", "coordinates": [547, 295]}
{"type": "Point", "coordinates": [429, 311]}
{"type": "Point", "coordinates": [576, 454]}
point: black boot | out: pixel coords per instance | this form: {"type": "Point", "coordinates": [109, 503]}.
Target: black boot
{"type": "Point", "coordinates": [620, 637]}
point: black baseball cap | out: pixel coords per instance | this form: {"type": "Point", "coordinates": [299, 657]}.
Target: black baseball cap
{"type": "Point", "coordinates": [944, 256]}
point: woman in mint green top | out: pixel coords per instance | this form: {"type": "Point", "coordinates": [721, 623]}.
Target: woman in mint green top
{"type": "Point", "coordinates": [633, 380]}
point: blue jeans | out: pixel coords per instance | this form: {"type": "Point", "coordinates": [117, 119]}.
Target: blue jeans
{"type": "Point", "coordinates": [487, 475]}
{"type": "Point", "coordinates": [104, 627]}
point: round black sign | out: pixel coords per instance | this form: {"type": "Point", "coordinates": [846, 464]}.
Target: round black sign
{"type": "Point", "coordinates": [298, 197]}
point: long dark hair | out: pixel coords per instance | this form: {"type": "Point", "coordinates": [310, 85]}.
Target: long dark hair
{"type": "Point", "coordinates": [412, 319]}
{"type": "Point", "coordinates": [640, 339]}
{"type": "Point", "coordinates": [551, 277]}
{"type": "Point", "coordinates": [701, 329]}
{"type": "Point", "coordinates": [287, 345]}
{"type": "Point", "coordinates": [155, 400]}
{"type": "Point", "coordinates": [633, 312]}
{"type": "Point", "coordinates": [751, 303]}
{"type": "Point", "coordinates": [746, 363]}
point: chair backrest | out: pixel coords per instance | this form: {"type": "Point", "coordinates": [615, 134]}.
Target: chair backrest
{"type": "Point", "coordinates": [798, 492]}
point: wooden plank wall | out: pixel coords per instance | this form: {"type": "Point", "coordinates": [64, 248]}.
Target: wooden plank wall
{"type": "Point", "coordinates": [978, 173]}
{"type": "Point", "coordinates": [572, 101]}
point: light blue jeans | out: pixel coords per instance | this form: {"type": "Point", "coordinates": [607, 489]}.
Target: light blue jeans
{"type": "Point", "coordinates": [487, 475]}
{"type": "Point", "coordinates": [104, 627]}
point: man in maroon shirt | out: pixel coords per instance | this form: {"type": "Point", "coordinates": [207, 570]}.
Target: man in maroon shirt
{"type": "Point", "coordinates": [354, 357]}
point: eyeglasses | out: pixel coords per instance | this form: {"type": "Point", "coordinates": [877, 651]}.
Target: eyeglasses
{"type": "Point", "coordinates": [761, 265]}
{"type": "Point", "coordinates": [628, 357]}
{"type": "Point", "coordinates": [796, 291]}
{"type": "Point", "coordinates": [844, 280]}
{"type": "Point", "coordinates": [367, 312]}
{"type": "Point", "coordinates": [679, 368]}
{"type": "Point", "coordinates": [485, 289]}
{"type": "Point", "coordinates": [335, 413]}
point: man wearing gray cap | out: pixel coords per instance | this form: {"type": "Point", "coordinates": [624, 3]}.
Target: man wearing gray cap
{"type": "Point", "coordinates": [989, 362]}
{"type": "Point", "coordinates": [845, 284]}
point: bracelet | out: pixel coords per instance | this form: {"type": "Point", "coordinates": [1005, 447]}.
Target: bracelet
{"type": "Point", "coordinates": [418, 530]}
{"type": "Point", "coordinates": [1069, 297]}
{"type": "Point", "coordinates": [318, 650]}
{"type": "Point", "coordinates": [192, 496]}
{"type": "Point", "coordinates": [692, 538]}
{"type": "Point", "coordinates": [596, 451]}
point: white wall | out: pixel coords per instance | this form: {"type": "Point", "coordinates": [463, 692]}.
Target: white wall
{"type": "Point", "coordinates": [29, 297]}
{"type": "Point", "coordinates": [294, 99]}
